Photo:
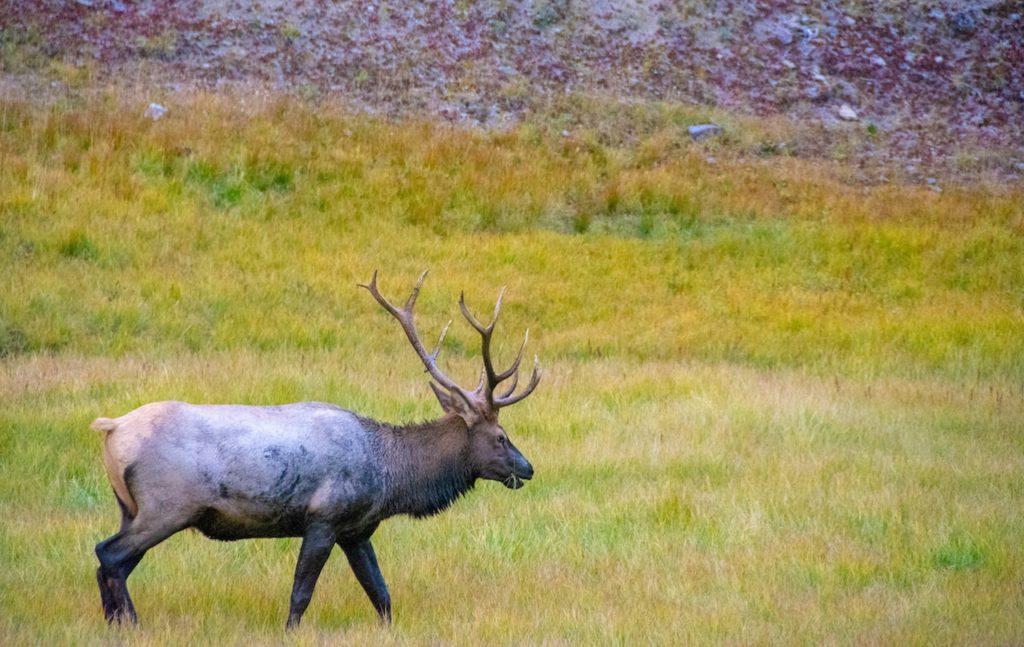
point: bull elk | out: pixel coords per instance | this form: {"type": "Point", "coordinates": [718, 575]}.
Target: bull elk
{"type": "Point", "coordinates": [309, 470]}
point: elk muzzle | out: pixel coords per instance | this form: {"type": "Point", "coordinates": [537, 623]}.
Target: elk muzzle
{"type": "Point", "coordinates": [521, 471]}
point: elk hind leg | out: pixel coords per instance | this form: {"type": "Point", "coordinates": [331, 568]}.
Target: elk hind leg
{"type": "Point", "coordinates": [116, 563]}
{"type": "Point", "coordinates": [119, 555]}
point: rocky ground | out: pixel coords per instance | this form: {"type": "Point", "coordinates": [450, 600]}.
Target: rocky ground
{"type": "Point", "coordinates": [937, 87]}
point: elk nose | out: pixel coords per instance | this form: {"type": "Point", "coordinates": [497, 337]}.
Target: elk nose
{"type": "Point", "coordinates": [523, 469]}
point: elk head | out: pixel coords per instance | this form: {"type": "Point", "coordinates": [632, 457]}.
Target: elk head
{"type": "Point", "coordinates": [490, 452]}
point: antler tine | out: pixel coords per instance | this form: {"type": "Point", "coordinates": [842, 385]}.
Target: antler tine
{"type": "Point", "coordinates": [497, 306]}
{"type": "Point", "coordinates": [372, 287]}
{"type": "Point", "coordinates": [480, 328]}
{"type": "Point", "coordinates": [440, 340]}
{"type": "Point", "coordinates": [514, 369]}
{"type": "Point", "coordinates": [485, 334]}
{"type": "Point", "coordinates": [508, 398]}
{"type": "Point", "coordinates": [411, 301]}
{"type": "Point", "coordinates": [404, 317]}
{"type": "Point", "coordinates": [511, 389]}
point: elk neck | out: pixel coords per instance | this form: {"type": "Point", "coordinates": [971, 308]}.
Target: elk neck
{"type": "Point", "coordinates": [426, 465]}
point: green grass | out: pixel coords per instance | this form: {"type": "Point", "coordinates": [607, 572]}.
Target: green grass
{"type": "Point", "coordinates": [776, 408]}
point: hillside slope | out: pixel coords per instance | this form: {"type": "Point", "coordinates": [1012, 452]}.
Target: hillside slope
{"type": "Point", "coordinates": [937, 87]}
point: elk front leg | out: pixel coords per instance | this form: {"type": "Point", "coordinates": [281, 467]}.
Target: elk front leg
{"type": "Point", "coordinates": [316, 548]}
{"type": "Point", "coordinates": [363, 561]}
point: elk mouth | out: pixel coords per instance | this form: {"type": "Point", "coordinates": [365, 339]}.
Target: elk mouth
{"type": "Point", "coordinates": [513, 481]}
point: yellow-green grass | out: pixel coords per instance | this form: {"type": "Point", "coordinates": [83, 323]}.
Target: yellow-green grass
{"type": "Point", "coordinates": [230, 225]}
{"type": "Point", "coordinates": [776, 408]}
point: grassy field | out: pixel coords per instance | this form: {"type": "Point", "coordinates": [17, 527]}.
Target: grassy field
{"type": "Point", "coordinates": [777, 408]}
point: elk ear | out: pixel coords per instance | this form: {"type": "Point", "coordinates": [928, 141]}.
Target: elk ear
{"type": "Point", "coordinates": [455, 402]}
{"type": "Point", "coordinates": [442, 397]}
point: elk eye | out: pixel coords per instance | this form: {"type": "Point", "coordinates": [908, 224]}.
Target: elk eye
{"type": "Point", "coordinates": [502, 440]}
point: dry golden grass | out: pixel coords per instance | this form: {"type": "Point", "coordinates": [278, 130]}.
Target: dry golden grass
{"type": "Point", "coordinates": [674, 503]}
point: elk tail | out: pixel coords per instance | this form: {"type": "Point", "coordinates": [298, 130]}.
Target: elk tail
{"type": "Point", "coordinates": [114, 473]}
{"type": "Point", "coordinates": [105, 425]}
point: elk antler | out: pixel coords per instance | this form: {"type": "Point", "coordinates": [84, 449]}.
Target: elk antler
{"type": "Point", "coordinates": [404, 316]}
{"type": "Point", "coordinates": [493, 378]}
{"type": "Point", "coordinates": [490, 378]}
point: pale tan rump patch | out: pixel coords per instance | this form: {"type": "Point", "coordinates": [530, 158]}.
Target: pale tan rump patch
{"type": "Point", "coordinates": [123, 440]}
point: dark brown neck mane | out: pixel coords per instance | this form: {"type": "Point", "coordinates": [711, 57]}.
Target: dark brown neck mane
{"type": "Point", "coordinates": [426, 465]}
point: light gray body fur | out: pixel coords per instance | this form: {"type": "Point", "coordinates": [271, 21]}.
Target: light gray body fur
{"type": "Point", "coordinates": [235, 471]}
